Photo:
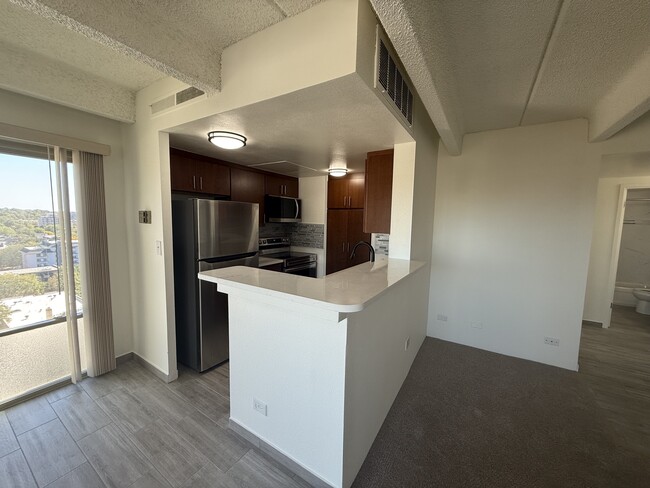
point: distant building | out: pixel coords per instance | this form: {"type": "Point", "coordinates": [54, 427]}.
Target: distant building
{"type": "Point", "coordinates": [48, 253]}
{"type": "Point", "coordinates": [53, 219]}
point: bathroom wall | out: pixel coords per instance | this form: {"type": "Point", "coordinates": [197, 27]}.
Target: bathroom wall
{"type": "Point", "coordinates": [634, 257]}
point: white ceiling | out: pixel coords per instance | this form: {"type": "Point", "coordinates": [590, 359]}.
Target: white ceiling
{"type": "Point", "coordinates": [477, 64]}
{"type": "Point", "coordinates": [494, 64]}
{"type": "Point", "coordinates": [105, 51]}
{"type": "Point", "coordinates": [336, 121]}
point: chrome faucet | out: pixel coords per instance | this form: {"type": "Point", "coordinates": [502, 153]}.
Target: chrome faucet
{"type": "Point", "coordinates": [372, 250]}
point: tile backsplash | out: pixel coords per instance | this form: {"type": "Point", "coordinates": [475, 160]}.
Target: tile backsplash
{"type": "Point", "coordinates": [303, 235]}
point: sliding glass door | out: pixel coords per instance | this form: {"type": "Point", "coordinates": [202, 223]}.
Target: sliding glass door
{"type": "Point", "coordinates": [40, 290]}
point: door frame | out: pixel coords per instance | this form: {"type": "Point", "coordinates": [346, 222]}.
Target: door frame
{"type": "Point", "coordinates": [616, 245]}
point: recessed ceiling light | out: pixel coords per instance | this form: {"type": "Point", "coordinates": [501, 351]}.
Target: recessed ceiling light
{"type": "Point", "coordinates": [338, 172]}
{"type": "Point", "coordinates": [226, 140]}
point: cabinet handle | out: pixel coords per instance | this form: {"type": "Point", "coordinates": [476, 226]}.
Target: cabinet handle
{"type": "Point", "coordinates": [201, 181]}
{"type": "Point", "coordinates": [194, 182]}
{"type": "Point", "coordinates": [343, 247]}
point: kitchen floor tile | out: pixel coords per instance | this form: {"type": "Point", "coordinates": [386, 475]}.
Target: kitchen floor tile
{"type": "Point", "coordinates": [255, 471]}
{"type": "Point", "coordinates": [30, 414]}
{"type": "Point", "coordinates": [62, 392]}
{"type": "Point", "coordinates": [204, 399]}
{"type": "Point", "coordinates": [163, 402]}
{"type": "Point", "coordinates": [170, 453]}
{"type": "Point", "coordinates": [80, 415]}
{"type": "Point", "coordinates": [220, 446]}
{"type": "Point", "coordinates": [15, 472]}
{"type": "Point", "coordinates": [210, 477]}
{"type": "Point", "coordinates": [8, 442]}
{"type": "Point", "coordinates": [101, 385]}
{"type": "Point", "coordinates": [83, 476]}
{"type": "Point", "coordinates": [116, 460]}
{"type": "Point", "coordinates": [217, 382]}
{"type": "Point", "coordinates": [50, 452]}
{"type": "Point", "coordinates": [126, 410]}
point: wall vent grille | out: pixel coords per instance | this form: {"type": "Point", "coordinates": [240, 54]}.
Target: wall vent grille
{"type": "Point", "coordinates": [175, 99]}
{"type": "Point", "coordinates": [393, 83]}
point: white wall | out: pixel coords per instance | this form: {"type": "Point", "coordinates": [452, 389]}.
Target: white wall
{"type": "Point", "coordinates": [512, 231]}
{"type": "Point", "coordinates": [313, 193]}
{"type": "Point", "coordinates": [310, 48]}
{"type": "Point", "coordinates": [36, 114]}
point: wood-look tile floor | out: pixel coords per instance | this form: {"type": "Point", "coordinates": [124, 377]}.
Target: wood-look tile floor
{"type": "Point", "coordinates": [615, 363]}
{"type": "Point", "coordinates": [129, 429]}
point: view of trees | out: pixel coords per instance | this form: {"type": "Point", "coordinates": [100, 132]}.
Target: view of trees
{"type": "Point", "coordinates": [20, 229]}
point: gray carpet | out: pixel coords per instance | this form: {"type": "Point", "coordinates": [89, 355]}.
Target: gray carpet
{"type": "Point", "coordinates": [471, 418]}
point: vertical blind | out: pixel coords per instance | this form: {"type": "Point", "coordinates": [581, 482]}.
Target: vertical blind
{"type": "Point", "coordinates": [93, 252]}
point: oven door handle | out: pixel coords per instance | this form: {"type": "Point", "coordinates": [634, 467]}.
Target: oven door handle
{"type": "Point", "coordinates": [300, 267]}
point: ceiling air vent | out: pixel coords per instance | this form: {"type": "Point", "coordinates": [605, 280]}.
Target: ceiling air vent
{"type": "Point", "coordinates": [392, 82]}
{"type": "Point", "coordinates": [175, 99]}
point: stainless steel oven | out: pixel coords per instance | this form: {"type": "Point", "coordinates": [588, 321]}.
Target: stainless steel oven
{"type": "Point", "coordinates": [298, 263]}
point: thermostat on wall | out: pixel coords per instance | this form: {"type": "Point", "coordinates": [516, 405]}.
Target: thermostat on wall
{"type": "Point", "coordinates": [145, 216]}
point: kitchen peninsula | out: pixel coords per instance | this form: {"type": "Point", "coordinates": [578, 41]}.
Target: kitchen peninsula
{"type": "Point", "coordinates": [315, 364]}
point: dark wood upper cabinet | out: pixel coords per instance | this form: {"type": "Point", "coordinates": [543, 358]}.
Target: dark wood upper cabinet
{"type": "Point", "coordinates": [182, 174]}
{"type": "Point", "coordinates": [198, 176]}
{"type": "Point", "coordinates": [193, 173]}
{"type": "Point", "coordinates": [247, 186]}
{"type": "Point", "coordinates": [346, 192]}
{"type": "Point", "coordinates": [284, 186]}
{"type": "Point", "coordinates": [213, 178]}
{"type": "Point", "coordinates": [378, 192]}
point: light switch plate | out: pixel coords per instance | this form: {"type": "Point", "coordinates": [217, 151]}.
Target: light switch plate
{"type": "Point", "coordinates": [144, 216]}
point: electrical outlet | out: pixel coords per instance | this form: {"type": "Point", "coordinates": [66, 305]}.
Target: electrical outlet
{"type": "Point", "coordinates": [407, 343]}
{"type": "Point", "coordinates": [552, 341]}
{"type": "Point", "coordinates": [259, 406]}
{"type": "Point", "coordinates": [442, 318]}
{"type": "Point", "coordinates": [476, 325]}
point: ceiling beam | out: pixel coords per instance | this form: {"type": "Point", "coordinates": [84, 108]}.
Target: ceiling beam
{"type": "Point", "coordinates": [430, 74]}
{"type": "Point", "coordinates": [163, 49]}
{"type": "Point", "coordinates": [62, 84]}
{"type": "Point", "coordinates": [626, 101]}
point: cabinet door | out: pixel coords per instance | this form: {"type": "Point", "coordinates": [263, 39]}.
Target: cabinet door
{"type": "Point", "coordinates": [274, 184]}
{"type": "Point", "coordinates": [247, 186]}
{"type": "Point", "coordinates": [291, 187]}
{"type": "Point", "coordinates": [355, 234]}
{"type": "Point", "coordinates": [356, 193]}
{"type": "Point", "coordinates": [212, 178]}
{"type": "Point", "coordinates": [181, 173]}
{"type": "Point", "coordinates": [379, 192]}
{"type": "Point", "coordinates": [337, 192]}
{"type": "Point", "coordinates": [337, 225]}
{"type": "Point", "coordinates": [284, 186]}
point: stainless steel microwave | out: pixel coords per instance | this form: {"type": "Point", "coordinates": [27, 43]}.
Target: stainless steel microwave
{"type": "Point", "coordinates": [282, 209]}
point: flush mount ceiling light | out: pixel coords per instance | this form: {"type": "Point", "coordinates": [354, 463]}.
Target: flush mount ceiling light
{"type": "Point", "coordinates": [226, 140]}
{"type": "Point", "coordinates": [338, 172]}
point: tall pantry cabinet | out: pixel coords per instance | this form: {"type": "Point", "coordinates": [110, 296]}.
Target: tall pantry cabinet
{"type": "Point", "coordinates": [345, 199]}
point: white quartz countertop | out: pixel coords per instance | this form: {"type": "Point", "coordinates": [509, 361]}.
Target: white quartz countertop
{"type": "Point", "coordinates": [264, 262]}
{"type": "Point", "coordinates": [350, 290]}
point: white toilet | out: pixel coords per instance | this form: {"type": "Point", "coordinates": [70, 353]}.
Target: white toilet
{"type": "Point", "coordinates": [643, 297]}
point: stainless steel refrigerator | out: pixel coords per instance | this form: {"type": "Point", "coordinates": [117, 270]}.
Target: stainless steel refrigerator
{"type": "Point", "coordinates": [208, 234]}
